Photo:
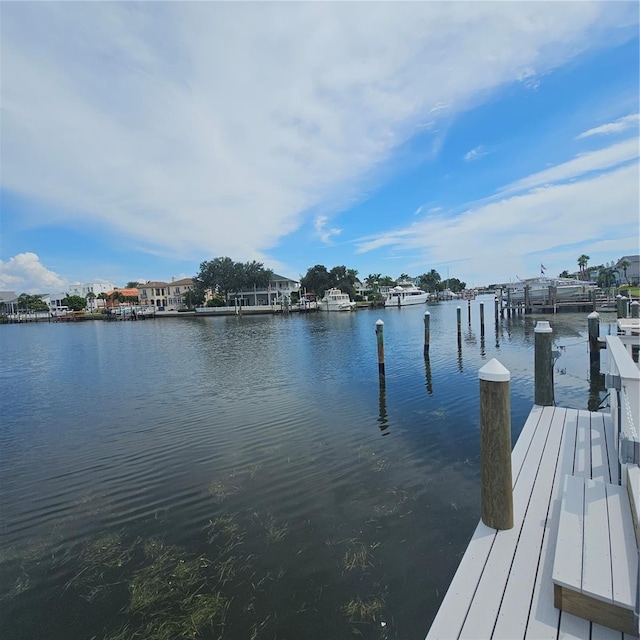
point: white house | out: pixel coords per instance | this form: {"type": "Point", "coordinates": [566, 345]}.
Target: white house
{"type": "Point", "coordinates": [279, 289]}
{"type": "Point", "coordinates": [164, 296]}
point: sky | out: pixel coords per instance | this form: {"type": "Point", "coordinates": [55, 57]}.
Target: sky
{"type": "Point", "coordinates": [480, 139]}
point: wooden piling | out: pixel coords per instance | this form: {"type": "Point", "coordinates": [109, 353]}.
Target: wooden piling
{"type": "Point", "coordinates": [543, 365]}
{"type": "Point", "coordinates": [459, 321]}
{"type": "Point", "coordinates": [482, 319]}
{"type": "Point", "coordinates": [427, 331]}
{"type": "Point", "coordinates": [635, 309]}
{"type": "Point", "coordinates": [380, 341]}
{"type": "Point", "coordinates": [496, 310]}
{"type": "Point", "coordinates": [469, 311]}
{"type": "Point", "coordinates": [619, 306]}
{"type": "Point", "coordinates": [495, 446]}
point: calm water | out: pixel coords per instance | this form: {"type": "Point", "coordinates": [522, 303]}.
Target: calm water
{"type": "Point", "coordinates": [245, 477]}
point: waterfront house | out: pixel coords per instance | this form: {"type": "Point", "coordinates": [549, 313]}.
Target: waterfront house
{"type": "Point", "coordinates": [90, 291]}
{"type": "Point", "coordinates": [279, 290]}
{"type": "Point", "coordinates": [8, 302]}
{"type": "Point", "coordinates": [113, 297]}
{"type": "Point", "coordinates": [165, 296]}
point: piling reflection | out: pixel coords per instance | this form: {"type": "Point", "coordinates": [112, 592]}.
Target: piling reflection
{"type": "Point", "coordinates": [383, 420]}
{"type": "Point", "coordinates": [427, 373]}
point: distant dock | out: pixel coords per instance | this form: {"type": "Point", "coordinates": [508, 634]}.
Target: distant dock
{"type": "Point", "coordinates": [569, 566]}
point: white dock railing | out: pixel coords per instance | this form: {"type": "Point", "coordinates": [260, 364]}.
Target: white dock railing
{"type": "Point", "coordinates": [623, 382]}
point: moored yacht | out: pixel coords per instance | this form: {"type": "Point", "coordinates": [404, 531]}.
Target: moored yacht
{"type": "Point", "coordinates": [405, 293]}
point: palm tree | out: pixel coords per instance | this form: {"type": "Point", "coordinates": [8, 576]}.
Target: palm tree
{"type": "Point", "coordinates": [103, 296]}
{"type": "Point", "coordinates": [91, 297]}
{"type": "Point", "coordinates": [582, 263]}
{"type": "Point", "coordinates": [624, 264]}
{"type": "Point", "coordinates": [372, 280]}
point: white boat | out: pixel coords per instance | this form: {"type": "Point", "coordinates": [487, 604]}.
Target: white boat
{"type": "Point", "coordinates": [335, 300]}
{"type": "Point", "coordinates": [405, 293]}
{"type": "Point", "coordinates": [566, 289]}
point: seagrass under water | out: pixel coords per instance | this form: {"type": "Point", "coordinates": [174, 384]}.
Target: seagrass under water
{"type": "Point", "coordinates": [245, 477]}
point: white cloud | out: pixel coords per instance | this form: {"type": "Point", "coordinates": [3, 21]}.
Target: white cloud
{"type": "Point", "coordinates": [24, 273]}
{"type": "Point", "coordinates": [515, 233]}
{"type": "Point", "coordinates": [209, 127]}
{"type": "Point", "coordinates": [599, 160]}
{"type": "Point", "coordinates": [320, 226]}
{"type": "Point", "coordinates": [612, 127]}
{"type": "Point", "coordinates": [474, 154]}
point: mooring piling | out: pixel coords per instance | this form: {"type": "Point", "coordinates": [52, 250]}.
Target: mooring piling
{"type": "Point", "coordinates": [635, 309]}
{"type": "Point", "coordinates": [380, 341]}
{"type": "Point", "coordinates": [469, 311]}
{"type": "Point", "coordinates": [496, 310]}
{"type": "Point", "coordinates": [624, 307]}
{"type": "Point", "coordinates": [459, 321]}
{"type": "Point", "coordinates": [543, 364]}
{"type": "Point", "coordinates": [495, 446]}
{"type": "Point", "coordinates": [482, 319]}
{"type": "Point", "coordinates": [427, 331]}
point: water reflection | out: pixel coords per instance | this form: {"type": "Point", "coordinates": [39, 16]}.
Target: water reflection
{"type": "Point", "coordinates": [383, 421]}
{"type": "Point", "coordinates": [427, 373]}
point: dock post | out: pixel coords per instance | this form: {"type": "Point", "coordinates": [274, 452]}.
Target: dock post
{"type": "Point", "coordinates": [593, 321]}
{"type": "Point", "coordinates": [496, 309]}
{"type": "Point", "coordinates": [459, 321]}
{"type": "Point", "coordinates": [527, 299]}
{"type": "Point", "coordinates": [624, 307]}
{"type": "Point", "coordinates": [427, 332]}
{"type": "Point", "coordinates": [380, 340]}
{"type": "Point", "coordinates": [543, 364]}
{"type": "Point", "coordinates": [469, 311]}
{"type": "Point", "coordinates": [635, 309]}
{"type": "Point", "coordinates": [482, 319]}
{"type": "Point", "coordinates": [496, 492]}
{"type": "Point", "coordinates": [619, 306]}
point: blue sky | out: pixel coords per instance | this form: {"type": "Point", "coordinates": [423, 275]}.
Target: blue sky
{"type": "Point", "coordinates": [479, 139]}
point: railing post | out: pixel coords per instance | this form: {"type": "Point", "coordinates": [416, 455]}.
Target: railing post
{"type": "Point", "coordinates": [495, 446]}
{"type": "Point", "coordinates": [543, 364]}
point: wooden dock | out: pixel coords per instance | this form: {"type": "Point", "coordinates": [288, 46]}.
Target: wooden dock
{"type": "Point", "coordinates": [504, 585]}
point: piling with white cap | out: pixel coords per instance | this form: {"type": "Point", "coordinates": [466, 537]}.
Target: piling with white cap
{"type": "Point", "coordinates": [496, 492]}
{"type": "Point", "coordinates": [543, 383]}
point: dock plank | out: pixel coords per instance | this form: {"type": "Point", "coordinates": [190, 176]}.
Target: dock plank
{"type": "Point", "coordinates": [573, 628]}
{"type": "Point", "coordinates": [596, 558]}
{"type": "Point", "coordinates": [567, 570]}
{"type": "Point", "coordinates": [484, 609]}
{"type": "Point", "coordinates": [623, 547]}
{"type": "Point", "coordinates": [527, 562]}
{"type": "Point", "coordinates": [599, 454]}
{"type": "Point", "coordinates": [544, 618]}
{"type": "Point", "coordinates": [582, 459]}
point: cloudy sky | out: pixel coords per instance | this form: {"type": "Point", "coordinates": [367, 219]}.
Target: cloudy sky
{"type": "Point", "coordinates": [480, 139]}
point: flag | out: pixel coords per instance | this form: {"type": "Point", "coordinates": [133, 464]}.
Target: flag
{"type": "Point", "coordinates": [542, 268]}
